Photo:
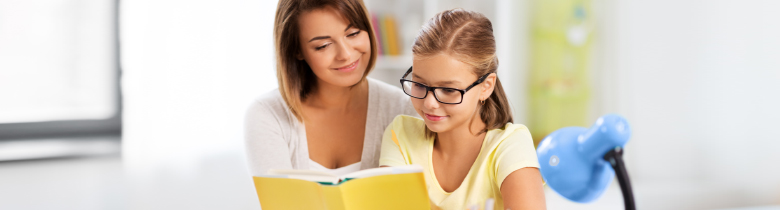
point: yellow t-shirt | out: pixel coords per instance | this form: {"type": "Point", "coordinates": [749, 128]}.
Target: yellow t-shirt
{"type": "Point", "coordinates": [503, 151]}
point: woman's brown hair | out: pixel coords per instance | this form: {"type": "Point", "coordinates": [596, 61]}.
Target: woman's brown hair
{"type": "Point", "coordinates": [468, 37]}
{"type": "Point", "coordinates": [296, 79]}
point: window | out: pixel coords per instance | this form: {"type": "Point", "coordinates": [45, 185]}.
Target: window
{"type": "Point", "coordinates": [59, 72]}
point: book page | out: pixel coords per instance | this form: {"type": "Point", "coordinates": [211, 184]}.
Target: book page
{"type": "Point", "coordinates": [308, 175]}
{"type": "Point", "coordinates": [384, 171]}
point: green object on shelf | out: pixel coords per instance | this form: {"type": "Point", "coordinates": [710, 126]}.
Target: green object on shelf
{"type": "Point", "coordinates": [560, 60]}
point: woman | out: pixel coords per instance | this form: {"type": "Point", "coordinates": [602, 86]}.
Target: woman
{"type": "Point", "coordinates": [325, 115]}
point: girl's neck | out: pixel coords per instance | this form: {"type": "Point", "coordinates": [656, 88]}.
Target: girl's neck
{"type": "Point", "coordinates": [461, 138]}
{"type": "Point", "coordinates": [327, 96]}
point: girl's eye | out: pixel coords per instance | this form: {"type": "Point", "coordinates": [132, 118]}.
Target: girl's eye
{"type": "Point", "coordinates": [418, 85]}
{"type": "Point", "coordinates": [353, 34]}
{"type": "Point", "coordinates": [320, 47]}
{"type": "Point", "coordinates": [448, 90]}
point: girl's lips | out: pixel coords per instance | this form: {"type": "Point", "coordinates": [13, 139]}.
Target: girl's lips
{"type": "Point", "coordinates": [434, 117]}
{"type": "Point", "coordinates": [350, 67]}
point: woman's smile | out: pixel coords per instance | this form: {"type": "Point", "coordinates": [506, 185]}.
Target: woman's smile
{"type": "Point", "coordinates": [349, 68]}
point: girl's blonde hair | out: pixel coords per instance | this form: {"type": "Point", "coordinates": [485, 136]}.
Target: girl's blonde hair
{"type": "Point", "coordinates": [468, 37]}
{"type": "Point", "coordinates": [296, 79]}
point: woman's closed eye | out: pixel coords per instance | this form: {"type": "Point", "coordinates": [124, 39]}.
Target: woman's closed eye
{"type": "Point", "coordinates": [327, 44]}
{"type": "Point", "coordinates": [353, 34]}
{"type": "Point", "coordinates": [322, 46]}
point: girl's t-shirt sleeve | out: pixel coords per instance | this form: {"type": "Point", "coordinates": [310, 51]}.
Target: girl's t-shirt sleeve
{"type": "Point", "coordinates": [391, 154]}
{"type": "Point", "coordinates": [516, 151]}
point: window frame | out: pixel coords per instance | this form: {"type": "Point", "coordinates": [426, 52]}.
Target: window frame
{"type": "Point", "coordinates": [111, 126]}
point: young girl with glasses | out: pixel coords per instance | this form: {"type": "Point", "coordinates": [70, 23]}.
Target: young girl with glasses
{"type": "Point", "coordinates": [466, 141]}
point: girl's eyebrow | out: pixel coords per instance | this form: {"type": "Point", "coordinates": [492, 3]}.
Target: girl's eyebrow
{"type": "Point", "coordinates": [440, 83]}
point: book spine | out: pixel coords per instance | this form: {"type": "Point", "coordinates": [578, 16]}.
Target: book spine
{"type": "Point", "coordinates": [385, 35]}
{"type": "Point", "coordinates": [392, 36]}
{"type": "Point", "coordinates": [333, 197]}
{"type": "Point", "coordinates": [377, 33]}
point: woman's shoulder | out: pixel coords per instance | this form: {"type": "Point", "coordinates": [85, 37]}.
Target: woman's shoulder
{"type": "Point", "coordinates": [392, 100]}
{"type": "Point", "coordinates": [388, 93]}
{"type": "Point", "coordinates": [269, 106]}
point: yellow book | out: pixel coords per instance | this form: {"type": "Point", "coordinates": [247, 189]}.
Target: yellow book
{"type": "Point", "coordinates": [378, 188]}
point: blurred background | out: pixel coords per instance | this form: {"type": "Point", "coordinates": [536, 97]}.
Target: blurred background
{"type": "Point", "coordinates": [139, 104]}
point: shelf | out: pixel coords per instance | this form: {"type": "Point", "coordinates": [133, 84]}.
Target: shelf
{"type": "Point", "coordinates": [396, 63]}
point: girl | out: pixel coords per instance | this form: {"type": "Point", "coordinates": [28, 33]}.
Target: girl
{"type": "Point", "coordinates": [325, 115]}
{"type": "Point", "coordinates": [466, 141]}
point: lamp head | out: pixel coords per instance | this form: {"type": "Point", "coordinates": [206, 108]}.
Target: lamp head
{"type": "Point", "coordinates": [571, 159]}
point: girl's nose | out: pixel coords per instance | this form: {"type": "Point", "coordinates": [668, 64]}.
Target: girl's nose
{"type": "Point", "coordinates": [430, 101]}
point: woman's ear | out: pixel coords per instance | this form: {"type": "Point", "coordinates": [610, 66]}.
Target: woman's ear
{"type": "Point", "coordinates": [488, 86]}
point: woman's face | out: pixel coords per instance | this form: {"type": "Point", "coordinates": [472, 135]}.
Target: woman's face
{"type": "Point", "coordinates": [336, 51]}
{"type": "Point", "coordinates": [444, 71]}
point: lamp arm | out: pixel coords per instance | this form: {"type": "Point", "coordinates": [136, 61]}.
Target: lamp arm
{"type": "Point", "coordinates": [615, 158]}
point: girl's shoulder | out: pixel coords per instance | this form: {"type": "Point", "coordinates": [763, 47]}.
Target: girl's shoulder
{"type": "Point", "coordinates": [408, 123]}
{"type": "Point", "coordinates": [510, 138]}
{"type": "Point", "coordinates": [511, 132]}
{"type": "Point", "coordinates": [406, 127]}
{"type": "Point", "coordinates": [512, 148]}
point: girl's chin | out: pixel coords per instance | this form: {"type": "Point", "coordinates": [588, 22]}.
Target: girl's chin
{"type": "Point", "coordinates": [436, 127]}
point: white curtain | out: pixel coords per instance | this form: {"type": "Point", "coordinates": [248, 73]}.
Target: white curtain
{"type": "Point", "coordinates": [190, 70]}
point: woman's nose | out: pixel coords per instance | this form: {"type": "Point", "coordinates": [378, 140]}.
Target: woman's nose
{"type": "Point", "coordinates": [344, 53]}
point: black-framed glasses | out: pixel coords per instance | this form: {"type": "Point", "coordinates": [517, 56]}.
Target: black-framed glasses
{"type": "Point", "coordinates": [444, 95]}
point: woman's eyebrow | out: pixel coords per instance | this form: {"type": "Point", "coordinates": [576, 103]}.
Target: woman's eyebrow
{"type": "Point", "coordinates": [328, 37]}
{"type": "Point", "coordinates": [318, 38]}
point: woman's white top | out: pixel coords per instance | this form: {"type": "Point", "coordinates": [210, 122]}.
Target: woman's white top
{"type": "Point", "coordinates": [315, 166]}
{"type": "Point", "coordinates": [276, 140]}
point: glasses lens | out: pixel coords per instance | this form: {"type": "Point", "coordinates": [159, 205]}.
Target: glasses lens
{"type": "Point", "coordinates": [447, 95]}
{"type": "Point", "coordinates": [414, 89]}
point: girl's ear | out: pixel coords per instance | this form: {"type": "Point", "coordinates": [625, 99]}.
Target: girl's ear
{"type": "Point", "coordinates": [488, 86]}
{"type": "Point", "coordinates": [299, 56]}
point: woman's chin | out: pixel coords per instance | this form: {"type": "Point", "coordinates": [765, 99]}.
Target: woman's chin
{"type": "Point", "coordinates": [347, 80]}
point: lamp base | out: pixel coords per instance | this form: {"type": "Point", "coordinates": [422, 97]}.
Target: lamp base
{"type": "Point", "coordinates": [615, 158]}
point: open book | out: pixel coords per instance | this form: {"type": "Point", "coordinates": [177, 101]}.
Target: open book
{"type": "Point", "coordinates": [400, 187]}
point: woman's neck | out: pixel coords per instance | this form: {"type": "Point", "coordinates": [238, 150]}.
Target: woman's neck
{"type": "Point", "coordinates": [461, 139]}
{"type": "Point", "coordinates": [327, 96]}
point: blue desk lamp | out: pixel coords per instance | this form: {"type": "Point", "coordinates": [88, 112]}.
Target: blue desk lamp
{"type": "Point", "coordinates": [579, 163]}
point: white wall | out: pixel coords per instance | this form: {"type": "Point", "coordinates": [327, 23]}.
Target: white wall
{"type": "Point", "coordinates": [190, 70]}
{"type": "Point", "coordinates": [699, 82]}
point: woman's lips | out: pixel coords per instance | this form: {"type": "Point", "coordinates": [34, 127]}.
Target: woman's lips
{"type": "Point", "coordinates": [434, 117]}
{"type": "Point", "coordinates": [350, 67]}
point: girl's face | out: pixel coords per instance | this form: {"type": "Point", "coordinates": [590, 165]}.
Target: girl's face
{"type": "Point", "coordinates": [336, 51]}
{"type": "Point", "coordinates": [445, 71]}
